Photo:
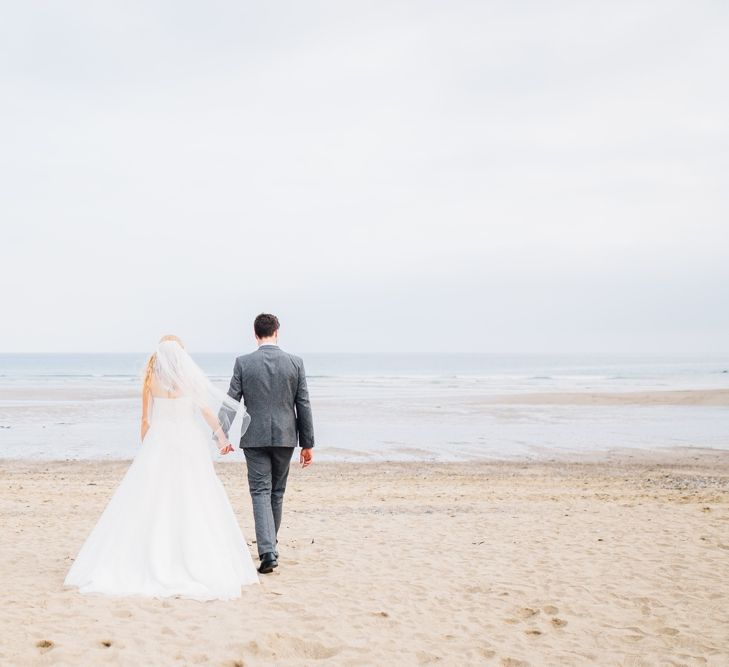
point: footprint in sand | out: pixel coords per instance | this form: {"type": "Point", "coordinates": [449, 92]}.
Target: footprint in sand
{"type": "Point", "coordinates": [253, 647]}
{"type": "Point", "coordinates": [106, 643]}
{"type": "Point", "coordinates": [317, 651]}
{"type": "Point", "coordinates": [302, 648]}
{"type": "Point", "coordinates": [558, 622]}
{"type": "Point", "coordinates": [122, 613]}
{"type": "Point", "coordinates": [550, 609]}
{"type": "Point", "coordinates": [426, 658]}
{"type": "Point", "coordinates": [533, 632]}
{"type": "Point", "coordinates": [513, 662]}
{"type": "Point", "coordinates": [44, 645]}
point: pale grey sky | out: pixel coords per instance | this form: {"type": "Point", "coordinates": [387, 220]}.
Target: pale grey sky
{"type": "Point", "coordinates": [426, 176]}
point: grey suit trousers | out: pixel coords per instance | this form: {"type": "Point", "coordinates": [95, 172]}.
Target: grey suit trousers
{"type": "Point", "coordinates": [268, 470]}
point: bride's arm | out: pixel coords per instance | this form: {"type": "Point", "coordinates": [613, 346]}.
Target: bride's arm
{"type": "Point", "coordinates": [226, 414]}
{"type": "Point", "coordinates": [214, 423]}
{"type": "Point", "coordinates": [146, 400]}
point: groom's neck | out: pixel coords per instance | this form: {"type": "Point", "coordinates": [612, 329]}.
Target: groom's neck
{"type": "Point", "coordinates": [273, 340]}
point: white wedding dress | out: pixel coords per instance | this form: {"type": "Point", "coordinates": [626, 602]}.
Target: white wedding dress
{"type": "Point", "coordinates": [169, 529]}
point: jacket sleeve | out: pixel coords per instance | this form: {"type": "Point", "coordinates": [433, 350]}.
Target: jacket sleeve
{"type": "Point", "coordinates": [235, 391]}
{"type": "Point", "coordinates": [304, 419]}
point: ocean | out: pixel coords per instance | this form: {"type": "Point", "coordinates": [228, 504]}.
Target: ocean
{"type": "Point", "coordinates": [370, 407]}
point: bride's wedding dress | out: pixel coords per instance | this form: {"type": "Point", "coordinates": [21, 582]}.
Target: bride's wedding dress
{"type": "Point", "coordinates": [169, 529]}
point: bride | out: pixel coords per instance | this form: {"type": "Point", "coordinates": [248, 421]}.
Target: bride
{"type": "Point", "coordinates": [169, 529]}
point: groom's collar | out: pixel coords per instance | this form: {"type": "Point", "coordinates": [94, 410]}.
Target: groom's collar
{"type": "Point", "coordinates": [268, 345]}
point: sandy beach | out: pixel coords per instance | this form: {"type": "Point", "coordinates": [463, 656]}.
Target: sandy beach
{"type": "Point", "coordinates": [623, 560]}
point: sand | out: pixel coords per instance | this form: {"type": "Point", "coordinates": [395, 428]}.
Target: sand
{"type": "Point", "coordinates": [557, 563]}
{"type": "Point", "coordinates": [689, 397]}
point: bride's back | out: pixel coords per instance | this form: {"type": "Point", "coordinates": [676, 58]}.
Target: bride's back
{"type": "Point", "coordinates": [159, 391]}
{"type": "Point", "coordinates": [170, 407]}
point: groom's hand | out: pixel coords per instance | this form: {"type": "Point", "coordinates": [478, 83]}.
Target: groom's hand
{"type": "Point", "coordinates": [306, 458]}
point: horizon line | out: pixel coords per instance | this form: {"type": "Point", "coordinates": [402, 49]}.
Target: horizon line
{"type": "Point", "coordinates": [641, 353]}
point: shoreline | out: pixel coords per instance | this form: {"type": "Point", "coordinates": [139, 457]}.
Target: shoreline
{"type": "Point", "coordinates": [675, 397]}
{"type": "Point", "coordinates": [669, 455]}
{"type": "Point", "coordinates": [39, 394]}
{"type": "Point", "coordinates": [450, 425]}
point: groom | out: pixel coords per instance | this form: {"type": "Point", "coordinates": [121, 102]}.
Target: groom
{"type": "Point", "coordinates": [272, 383]}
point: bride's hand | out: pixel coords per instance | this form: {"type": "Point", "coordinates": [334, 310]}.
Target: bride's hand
{"type": "Point", "coordinates": [226, 449]}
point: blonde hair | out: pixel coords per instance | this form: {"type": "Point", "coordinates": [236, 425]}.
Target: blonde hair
{"type": "Point", "coordinates": [149, 368]}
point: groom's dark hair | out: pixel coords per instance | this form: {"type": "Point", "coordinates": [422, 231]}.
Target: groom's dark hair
{"type": "Point", "coordinates": [265, 325]}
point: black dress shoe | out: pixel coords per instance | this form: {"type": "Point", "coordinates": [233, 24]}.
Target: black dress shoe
{"type": "Point", "coordinates": [268, 562]}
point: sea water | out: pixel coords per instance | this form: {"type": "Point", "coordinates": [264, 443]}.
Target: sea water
{"type": "Point", "coordinates": [381, 406]}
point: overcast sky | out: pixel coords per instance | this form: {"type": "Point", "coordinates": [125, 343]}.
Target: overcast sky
{"type": "Point", "coordinates": [426, 176]}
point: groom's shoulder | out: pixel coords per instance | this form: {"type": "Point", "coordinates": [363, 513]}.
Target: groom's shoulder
{"type": "Point", "coordinates": [296, 359]}
{"type": "Point", "coordinates": [243, 358]}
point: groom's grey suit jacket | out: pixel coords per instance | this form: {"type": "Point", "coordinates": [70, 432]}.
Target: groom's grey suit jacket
{"type": "Point", "coordinates": [272, 383]}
